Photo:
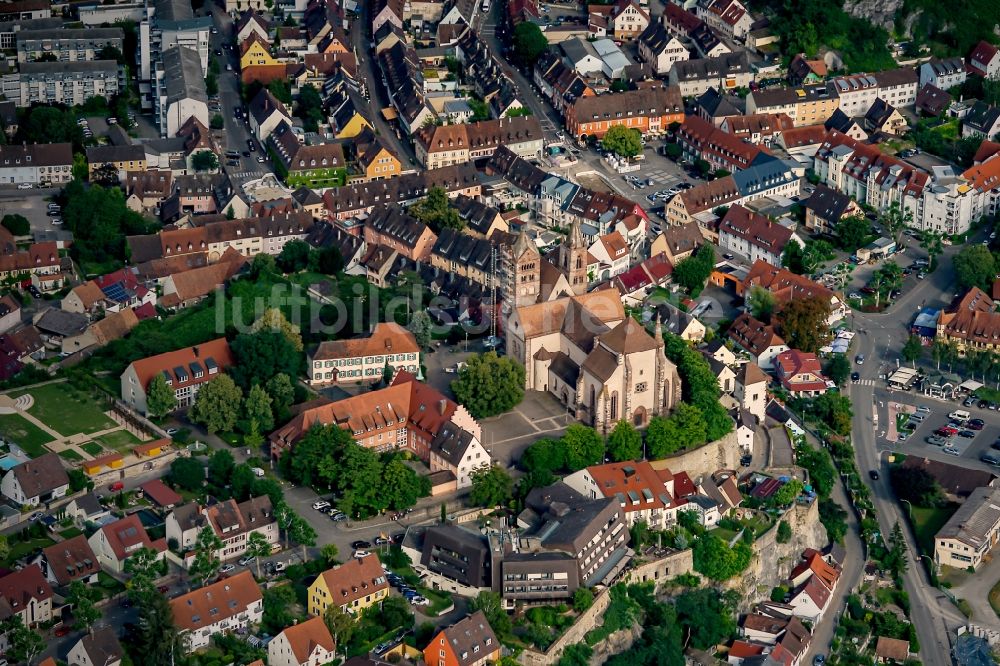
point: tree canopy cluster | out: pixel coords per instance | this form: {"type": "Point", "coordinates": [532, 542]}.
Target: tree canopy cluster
{"type": "Point", "coordinates": [803, 322]}
{"type": "Point", "coordinates": [623, 141]}
{"type": "Point", "coordinates": [365, 482]}
{"type": "Point", "coordinates": [579, 447]}
{"type": "Point", "coordinates": [489, 385]}
{"type": "Point", "coordinates": [692, 272]}
{"type": "Point", "coordinates": [975, 266]}
{"type": "Point", "coordinates": [699, 386]}
{"type": "Point", "coordinates": [100, 220]}
{"type": "Point", "coordinates": [435, 210]}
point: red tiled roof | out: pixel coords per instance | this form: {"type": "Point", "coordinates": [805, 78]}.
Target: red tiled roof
{"type": "Point", "coordinates": [160, 493]}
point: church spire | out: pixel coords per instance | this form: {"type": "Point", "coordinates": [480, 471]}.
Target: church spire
{"type": "Point", "coordinates": [576, 236]}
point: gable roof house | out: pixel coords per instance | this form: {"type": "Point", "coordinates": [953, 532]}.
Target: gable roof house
{"type": "Point", "coordinates": [661, 49]}
{"type": "Point", "coordinates": [984, 60]}
{"type": "Point", "coordinates": [36, 481]}
{"type": "Point", "coordinates": [265, 113]}
{"type": "Point", "coordinates": [786, 285]}
{"type": "Point", "coordinates": [757, 339]}
{"type": "Point", "coordinates": [69, 560]}
{"type": "Point", "coordinates": [185, 370]}
{"type": "Point", "coordinates": [728, 71]}
{"type": "Point", "coordinates": [982, 120]}
{"type": "Point", "coordinates": [353, 586]}
{"type": "Point", "coordinates": [942, 74]}
{"type": "Point", "coordinates": [114, 543]}
{"type": "Point", "coordinates": [231, 604]}
{"type": "Point", "coordinates": [27, 594]}
{"type": "Point", "coordinates": [826, 207]}
{"type": "Point", "coordinates": [99, 648]}
{"type": "Point", "coordinates": [307, 643]}
{"type": "Point", "coordinates": [884, 118]}
{"type": "Point", "coordinates": [469, 642]}
{"type": "Point", "coordinates": [800, 373]}
{"type": "Point", "coordinates": [754, 236]}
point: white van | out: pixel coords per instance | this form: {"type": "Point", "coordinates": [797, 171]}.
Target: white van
{"type": "Point", "coordinates": [258, 472]}
{"type": "Point", "coordinates": [959, 415]}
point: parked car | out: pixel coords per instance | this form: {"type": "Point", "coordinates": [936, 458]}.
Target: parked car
{"type": "Point", "coordinates": [873, 474]}
{"type": "Point", "coordinates": [946, 431]}
{"type": "Point", "coordinates": [936, 440]}
{"type": "Point", "coordinates": [967, 434]}
{"type": "Point", "coordinates": [226, 568]}
{"type": "Point", "coordinates": [244, 561]}
{"type": "Point", "coordinates": [321, 505]}
{"type": "Point", "coordinates": [976, 424]}
{"type": "Point", "coordinates": [990, 459]}
{"type": "Point", "coordinates": [116, 486]}
{"type": "Point", "coordinates": [923, 409]}
{"type": "Point", "coordinates": [360, 553]}
{"type": "Point", "coordinates": [951, 451]}
{"type": "Point", "coordinates": [359, 544]}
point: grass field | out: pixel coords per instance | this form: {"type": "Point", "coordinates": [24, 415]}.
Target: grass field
{"type": "Point", "coordinates": [67, 410]}
{"type": "Point", "coordinates": [92, 448]}
{"type": "Point", "coordinates": [70, 455]}
{"type": "Point", "coordinates": [22, 548]}
{"type": "Point", "coordinates": [927, 522]}
{"type": "Point", "coordinates": [119, 440]}
{"type": "Point", "coordinates": [25, 434]}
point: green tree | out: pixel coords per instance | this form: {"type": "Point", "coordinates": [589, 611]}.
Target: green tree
{"type": "Point", "coordinates": [160, 397]}
{"type": "Point", "coordinates": [708, 617]}
{"type": "Point", "coordinates": [294, 256]}
{"type": "Point", "coordinates": [838, 369]}
{"type": "Point", "coordinates": [623, 141]}
{"type": "Point", "coordinates": [787, 493]}
{"type": "Point", "coordinates": [834, 519]}
{"type": "Point", "coordinates": [489, 385]}
{"type": "Point", "coordinates": [583, 447]}
{"type": "Point", "coordinates": [307, 460]}
{"type": "Point", "coordinates": [852, 233]}
{"type": "Point", "coordinates": [491, 486]}
{"type": "Point", "coordinates": [583, 599]}
{"type": "Point", "coordinates": [793, 258]}
{"type": "Point", "coordinates": [16, 224]}
{"type": "Point", "coordinates": [716, 560]}
{"type": "Point", "coordinates": [4, 547]}
{"type": "Point", "coordinates": [157, 638]}
{"type": "Point", "coordinates": [916, 485]}
{"type": "Point", "coordinates": [100, 220]}
{"type": "Point", "coordinates": [282, 393]}
{"type": "Point", "coordinates": [83, 599]}
{"type": "Point", "coordinates": [48, 124]}
{"type": "Point", "coordinates": [684, 428]}
{"type": "Point", "coordinates": [309, 107]}
{"type": "Point", "coordinates": [492, 607]}
{"type": "Point", "coordinates": [220, 467]}
{"type": "Point", "coordinates": [257, 408]}
{"type": "Point", "coordinates": [784, 532]}
{"type": "Point", "coordinates": [692, 272]}
{"type": "Point", "coordinates": [262, 355]}
{"type": "Point", "coordinates": [803, 323]}
{"type": "Point", "coordinates": [402, 485]}
{"type": "Point", "coordinates": [913, 349]}
{"type": "Point", "coordinates": [529, 43]}
{"type": "Point", "coordinates": [302, 533]}
{"type": "Point", "coordinates": [420, 326]}
{"type": "Point", "coordinates": [217, 406]}
{"type": "Point", "coordinates": [435, 210]}
{"type": "Point", "coordinates": [205, 160]}
{"type": "Point", "coordinates": [217, 122]}
{"type": "Point", "coordinates": [257, 547]}
{"type": "Point", "coordinates": [330, 553]}
{"type": "Point", "coordinates": [932, 243]}
{"type": "Point", "coordinates": [262, 264]}
{"type": "Point", "coordinates": [894, 220]}
{"type": "Point", "coordinates": [340, 623]}
{"type": "Point", "coordinates": [211, 84]}
{"type": "Point", "coordinates": [205, 563]}
{"type": "Point", "coordinates": [762, 303]}
{"type": "Point", "coordinates": [187, 473]}
{"type": "Point", "coordinates": [820, 467]}
{"type": "Point", "coordinates": [143, 567]}
{"type": "Point", "coordinates": [23, 643]}
{"type": "Point", "coordinates": [624, 442]}
{"type": "Point", "coordinates": [274, 319]}
{"type": "Point", "coordinates": [834, 410]}
{"type": "Point", "coordinates": [974, 266]}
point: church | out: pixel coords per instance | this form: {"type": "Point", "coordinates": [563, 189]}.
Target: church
{"type": "Point", "coordinates": [581, 347]}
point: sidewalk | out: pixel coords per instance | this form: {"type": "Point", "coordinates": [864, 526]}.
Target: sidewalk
{"type": "Point", "coordinates": [976, 591]}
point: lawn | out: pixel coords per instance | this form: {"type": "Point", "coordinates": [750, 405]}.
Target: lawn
{"type": "Point", "coordinates": [927, 522]}
{"type": "Point", "coordinates": [108, 586]}
{"type": "Point", "coordinates": [71, 532]}
{"type": "Point", "coordinates": [23, 548]}
{"type": "Point", "coordinates": [67, 409]}
{"type": "Point", "coordinates": [70, 455]}
{"type": "Point", "coordinates": [119, 440]}
{"type": "Point", "coordinates": [25, 434]}
{"type": "Point", "coordinates": [92, 448]}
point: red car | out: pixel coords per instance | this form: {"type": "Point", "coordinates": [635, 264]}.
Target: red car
{"type": "Point", "coordinates": [946, 431]}
{"type": "Point", "coordinates": [163, 589]}
{"type": "Point", "coordinates": [116, 486]}
{"type": "Point", "coordinates": [61, 631]}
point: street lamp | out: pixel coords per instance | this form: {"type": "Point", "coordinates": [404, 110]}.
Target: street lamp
{"type": "Point", "coordinates": [909, 505]}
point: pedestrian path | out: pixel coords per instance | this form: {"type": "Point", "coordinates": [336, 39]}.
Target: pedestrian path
{"type": "Point", "coordinates": [865, 382]}
{"type": "Point", "coordinates": [247, 175]}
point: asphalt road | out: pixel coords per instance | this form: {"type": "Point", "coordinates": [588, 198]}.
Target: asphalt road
{"type": "Point", "coordinates": [880, 338]}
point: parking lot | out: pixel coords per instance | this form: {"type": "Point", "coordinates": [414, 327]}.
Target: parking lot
{"type": "Point", "coordinates": [32, 204]}
{"type": "Point", "coordinates": [935, 434]}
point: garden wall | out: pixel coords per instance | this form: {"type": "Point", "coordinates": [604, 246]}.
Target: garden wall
{"type": "Point", "coordinates": [592, 617]}
{"type": "Point", "coordinates": [663, 568]}
{"type": "Point", "coordinates": [703, 461]}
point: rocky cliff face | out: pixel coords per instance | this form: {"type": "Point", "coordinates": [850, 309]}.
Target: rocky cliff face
{"type": "Point", "coordinates": [773, 561]}
{"type": "Point", "coordinates": [616, 643]}
{"type": "Point", "coordinates": [878, 12]}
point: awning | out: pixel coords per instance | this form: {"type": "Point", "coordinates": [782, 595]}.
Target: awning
{"type": "Point", "coordinates": [389, 113]}
{"type": "Point", "coordinates": [970, 385]}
